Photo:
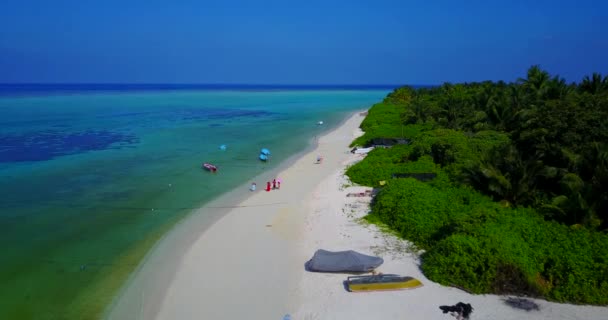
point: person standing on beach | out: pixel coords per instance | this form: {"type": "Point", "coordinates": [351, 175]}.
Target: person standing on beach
{"type": "Point", "coordinates": [253, 186]}
{"type": "Point", "coordinates": [278, 183]}
{"type": "Point", "coordinates": [274, 184]}
{"type": "Point", "coordinates": [268, 186]}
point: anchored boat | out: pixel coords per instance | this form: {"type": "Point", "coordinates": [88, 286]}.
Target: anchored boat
{"type": "Point", "coordinates": [381, 282]}
{"type": "Point", "coordinates": [264, 154]}
{"type": "Point", "coordinates": [209, 167]}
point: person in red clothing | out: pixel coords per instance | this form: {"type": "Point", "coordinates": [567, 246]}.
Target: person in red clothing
{"type": "Point", "coordinates": [274, 184]}
{"type": "Point", "coordinates": [268, 186]}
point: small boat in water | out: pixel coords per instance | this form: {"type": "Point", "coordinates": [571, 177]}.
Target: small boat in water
{"type": "Point", "coordinates": [210, 167]}
{"type": "Point", "coordinates": [381, 282]}
{"type": "Point", "coordinates": [264, 154]}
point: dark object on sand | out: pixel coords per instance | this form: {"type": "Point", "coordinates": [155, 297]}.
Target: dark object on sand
{"type": "Point", "coordinates": [460, 310]}
{"type": "Point", "coordinates": [366, 193]}
{"type": "Point", "coordinates": [521, 303]}
{"type": "Point", "coordinates": [342, 261]}
{"type": "Point", "coordinates": [386, 142]}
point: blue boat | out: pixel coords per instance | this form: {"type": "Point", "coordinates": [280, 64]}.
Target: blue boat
{"type": "Point", "coordinates": [265, 151]}
{"type": "Point", "coordinates": [263, 157]}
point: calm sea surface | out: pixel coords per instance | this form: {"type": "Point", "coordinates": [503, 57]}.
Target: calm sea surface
{"type": "Point", "coordinates": [91, 177]}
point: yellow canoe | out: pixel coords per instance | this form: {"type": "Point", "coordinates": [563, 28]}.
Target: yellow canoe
{"type": "Point", "coordinates": [381, 282]}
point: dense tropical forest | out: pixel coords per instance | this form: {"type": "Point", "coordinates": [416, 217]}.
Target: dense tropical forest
{"type": "Point", "coordinates": [519, 202]}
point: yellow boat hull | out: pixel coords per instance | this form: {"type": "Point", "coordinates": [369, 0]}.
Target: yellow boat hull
{"type": "Point", "coordinates": [354, 285]}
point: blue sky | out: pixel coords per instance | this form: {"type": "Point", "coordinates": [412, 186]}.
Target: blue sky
{"type": "Point", "coordinates": [299, 42]}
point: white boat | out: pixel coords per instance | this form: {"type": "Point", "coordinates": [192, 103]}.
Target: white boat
{"type": "Point", "coordinates": [210, 167]}
{"type": "Point", "coordinates": [363, 150]}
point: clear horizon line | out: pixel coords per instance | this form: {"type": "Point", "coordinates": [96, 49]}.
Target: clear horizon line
{"type": "Point", "coordinates": [204, 84]}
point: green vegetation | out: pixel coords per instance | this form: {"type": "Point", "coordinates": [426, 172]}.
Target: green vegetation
{"type": "Point", "coordinates": [520, 201]}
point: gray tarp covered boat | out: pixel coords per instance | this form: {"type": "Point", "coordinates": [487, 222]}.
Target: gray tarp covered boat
{"type": "Point", "coordinates": [342, 261]}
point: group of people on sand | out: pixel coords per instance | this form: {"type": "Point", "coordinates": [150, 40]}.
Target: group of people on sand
{"type": "Point", "coordinates": [275, 184]}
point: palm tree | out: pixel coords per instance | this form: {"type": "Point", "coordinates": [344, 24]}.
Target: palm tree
{"type": "Point", "coordinates": [420, 108]}
{"type": "Point", "coordinates": [583, 197]}
{"type": "Point", "coordinates": [504, 174]}
{"type": "Point", "coordinates": [536, 83]}
{"type": "Point", "coordinates": [557, 88]}
{"type": "Point", "coordinates": [514, 110]}
{"type": "Point", "coordinates": [502, 107]}
{"type": "Point", "coordinates": [594, 169]}
{"type": "Point", "coordinates": [595, 84]}
{"type": "Point", "coordinates": [456, 104]}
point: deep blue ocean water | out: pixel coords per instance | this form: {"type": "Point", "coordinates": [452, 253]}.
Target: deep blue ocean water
{"type": "Point", "coordinates": [91, 176]}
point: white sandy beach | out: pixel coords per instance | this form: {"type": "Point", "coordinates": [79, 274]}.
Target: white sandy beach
{"type": "Point", "coordinates": [250, 263]}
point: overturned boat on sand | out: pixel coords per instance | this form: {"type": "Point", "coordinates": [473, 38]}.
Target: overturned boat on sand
{"type": "Point", "coordinates": [342, 261]}
{"type": "Point", "coordinates": [381, 282]}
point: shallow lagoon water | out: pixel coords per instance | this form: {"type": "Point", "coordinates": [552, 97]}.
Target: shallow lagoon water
{"type": "Point", "coordinates": [91, 180]}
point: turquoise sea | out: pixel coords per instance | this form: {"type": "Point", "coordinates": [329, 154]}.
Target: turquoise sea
{"type": "Point", "coordinates": [91, 177]}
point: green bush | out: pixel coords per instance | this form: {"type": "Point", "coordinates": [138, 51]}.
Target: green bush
{"type": "Point", "coordinates": [378, 165]}
{"type": "Point", "coordinates": [384, 120]}
{"type": "Point", "coordinates": [404, 205]}
{"type": "Point", "coordinates": [424, 164]}
{"type": "Point", "coordinates": [422, 212]}
{"type": "Point", "coordinates": [454, 149]}
{"type": "Point", "coordinates": [461, 260]}
{"type": "Point", "coordinates": [471, 241]}
{"type": "Point", "coordinates": [476, 244]}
